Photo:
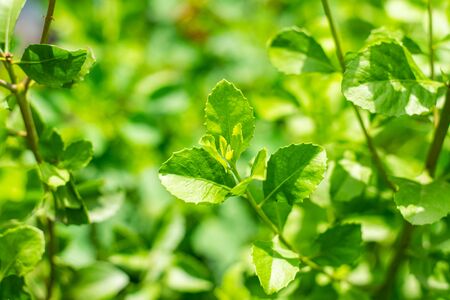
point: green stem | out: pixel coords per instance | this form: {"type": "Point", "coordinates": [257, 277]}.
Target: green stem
{"type": "Point", "coordinates": [430, 38]}
{"type": "Point", "coordinates": [405, 237]}
{"type": "Point", "coordinates": [340, 54]}
{"type": "Point", "coordinates": [262, 215]}
{"type": "Point", "coordinates": [48, 21]}
{"type": "Point", "coordinates": [51, 250]}
{"type": "Point", "coordinates": [439, 137]}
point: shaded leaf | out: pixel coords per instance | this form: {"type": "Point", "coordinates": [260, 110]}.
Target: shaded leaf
{"type": "Point", "coordinates": [77, 155]}
{"type": "Point", "coordinates": [293, 51]}
{"type": "Point", "coordinates": [12, 288]}
{"type": "Point", "coordinates": [53, 66]}
{"type": "Point", "coordinates": [293, 173]}
{"type": "Point", "coordinates": [339, 245]}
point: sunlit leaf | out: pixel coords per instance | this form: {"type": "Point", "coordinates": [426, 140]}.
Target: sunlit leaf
{"type": "Point", "coordinates": [192, 175]}
{"type": "Point", "coordinates": [383, 78]}
{"type": "Point", "coordinates": [276, 266]}
{"type": "Point", "coordinates": [21, 248]}
{"type": "Point", "coordinates": [228, 113]}
{"type": "Point", "coordinates": [422, 203]}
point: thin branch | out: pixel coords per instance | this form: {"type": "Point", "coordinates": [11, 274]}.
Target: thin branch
{"type": "Point", "coordinates": [340, 54]}
{"type": "Point", "coordinates": [48, 21]}
{"type": "Point", "coordinates": [262, 215]}
{"type": "Point", "coordinates": [430, 38]}
{"type": "Point", "coordinates": [439, 136]}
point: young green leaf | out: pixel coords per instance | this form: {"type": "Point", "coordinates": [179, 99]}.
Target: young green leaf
{"type": "Point", "coordinates": [339, 245]}
{"type": "Point", "coordinates": [9, 13]}
{"type": "Point", "coordinates": [208, 142]}
{"type": "Point", "coordinates": [383, 78]}
{"type": "Point", "coordinates": [77, 155]}
{"type": "Point", "coordinates": [21, 248]}
{"type": "Point", "coordinates": [259, 166]}
{"type": "Point", "coordinates": [293, 51]}
{"type": "Point", "coordinates": [226, 108]}
{"type": "Point", "coordinates": [422, 203]}
{"type": "Point", "coordinates": [276, 266]}
{"type": "Point", "coordinates": [193, 175]}
{"type": "Point", "coordinates": [293, 173]}
{"type": "Point", "coordinates": [55, 67]}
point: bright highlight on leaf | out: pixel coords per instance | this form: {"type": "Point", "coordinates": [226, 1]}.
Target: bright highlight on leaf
{"type": "Point", "coordinates": [276, 266]}
{"type": "Point", "coordinates": [54, 66]}
{"type": "Point", "coordinates": [422, 203]}
{"type": "Point", "coordinates": [293, 51]}
{"type": "Point", "coordinates": [193, 175]}
{"type": "Point", "coordinates": [383, 78]}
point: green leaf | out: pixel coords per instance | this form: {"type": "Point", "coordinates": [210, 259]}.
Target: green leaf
{"type": "Point", "coordinates": [55, 67]}
{"type": "Point", "coordinates": [276, 266]}
{"type": "Point", "coordinates": [51, 145]}
{"type": "Point", "coordinates": [77, 155]}
{"type": "Point", "coordinates": [293, 51]}
{"type": "Point", "coordinates": [9, 13]}
{"type": "Point", "coordinates": [192, 175]}
{"type": "Point", "coordinates": [69, 206]}
{"type": "Point", "coordinates": [21, 248]}
{"type": "Point", "coordinates": [259, 166]}
{"type": "Point", "coordinates": [293, 173]}
{"type": "Point", "coordinates": [99, 281]}
{"type": "Point", "coordinates": [53, 176]}
{"type": "Point", "coordinates": [339, 245]}
{"type": "Point", "coordinates": [383, 78]}
{"type": "Point", "coordinates": [12, 288]}
{"type": "Point", "coordinates": [422, 203]}
{"type": "Point", "coordinates": [229, 114]}
{"type": "Point", "coordinates": [208, 142]}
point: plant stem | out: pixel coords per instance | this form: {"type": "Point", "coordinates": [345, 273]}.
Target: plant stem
{"type": "Point", "coordinates": [262, 215]}
{"type": "Point", "coordinates": [51, 250]}
{"type": "Point", "coordinates": [405, 237]}
{"type": "Point", "coordinates": [431, 54]}
{"type": "Point", "coordinates": [439, 137]}
{"type": "Point", "coordinates": [430, 38]}
{"type": "Point", "coordinates": [340, 54]}
{"type": "Point", "coordinates": [48, 21]}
